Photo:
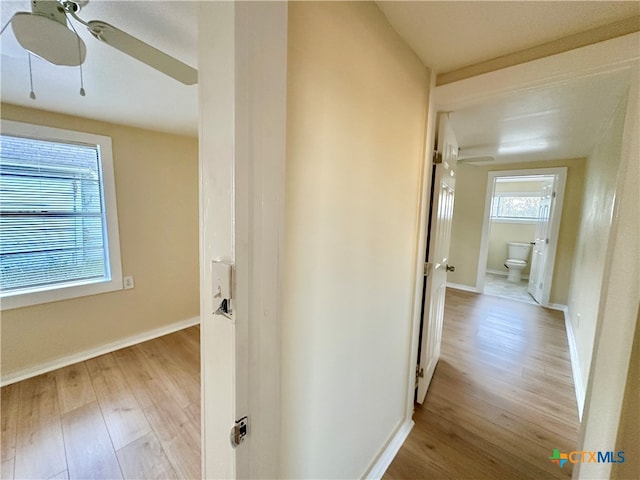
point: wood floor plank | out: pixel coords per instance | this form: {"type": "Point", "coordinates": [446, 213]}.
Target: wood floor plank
{"type": "Point", "coordinates": [122, 414]}
{"type": "Point", "coordinates": [90, 454]}
{"type": "Point", "coordinates": [39, 444]}
{"type": "Point", "coordinates": [146, 382]}
{"type": "Point", "coordinates": [6, 471]}
{"type": "Point", "coordinates": [179, 437]}
{"type": "Point", "coordinates": [64, 475]}
{"type": "Point", "coordinates": [193, 411]}
{"type": "Point", "coordinates": [186, 346]}
{"type": "Point", "coordinates": [9, 399]}
{"type": "Point", "coordinates": [184, 388]}
{"type": "Point", "coordinates": [501, 398]}
{"type": "Point", "coordinates": [132, 413]}
{"type": "Point", "coordinates": [74, 387]}
{"type": "Point", "coordinates": [145, 458]}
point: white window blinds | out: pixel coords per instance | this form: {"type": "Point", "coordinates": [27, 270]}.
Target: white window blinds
{"type": "Point", "coordinates": [52, 216]}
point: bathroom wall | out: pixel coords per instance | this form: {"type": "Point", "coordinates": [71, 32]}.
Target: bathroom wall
{"type": "Point", "coordinates": [468, 213]}
{"type": "Point", "coordinates": [156, 179]}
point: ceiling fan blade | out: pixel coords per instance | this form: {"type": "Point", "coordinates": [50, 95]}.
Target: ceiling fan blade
{"type": "Point", "coordinates": [48, 39]}
{"type": "Point", "coordinates": [143, 52]}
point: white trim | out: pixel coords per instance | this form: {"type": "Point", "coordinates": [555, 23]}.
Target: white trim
{"type": "Point", "coordinates": [464, 288]}
{"type": "Point", "coordinates": [96, 351]}
{"type": "Point", "coordinates": [558, 306]}
{"type": "Point", "coordinates": [497, 272]}
{"type": "Point", "coordinates": [242, 210]}
{"type": "Point", "coordinates": [505, 274]}
{"type": "Point", "coordinates": [575, 363]}
{"type": "Point", "coordinates": [421, 250]}
{"type": "Point", "coordinates": [389, 453]}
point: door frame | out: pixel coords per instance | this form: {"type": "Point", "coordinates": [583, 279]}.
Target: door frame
{"type": "Point", "coordinates": [242, 100]}
{"type": "Point", "coordinates": [554, 225]}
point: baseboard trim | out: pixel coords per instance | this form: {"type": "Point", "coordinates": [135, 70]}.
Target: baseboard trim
{"type": "Point", "coordinates": [465, 288]}
{"type": "Point", "coordinates": [389, 453]}
{"type": "Point", "coordinates": [498, 272]}
{"type": "Point", "coordinates": [575, 364]}
{"type": "Point", "coordinates": [95, 352]}
{"type": "Point", "coordinates": [560, 307]}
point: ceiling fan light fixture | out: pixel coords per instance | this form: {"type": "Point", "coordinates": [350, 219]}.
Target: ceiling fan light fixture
{"type": "Point", "coordinates": [48, 39]}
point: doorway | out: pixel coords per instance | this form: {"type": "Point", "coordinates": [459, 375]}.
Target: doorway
{"type": "Point", "coordinates": [520, 233]}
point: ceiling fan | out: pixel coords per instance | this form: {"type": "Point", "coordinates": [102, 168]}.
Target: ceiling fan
{"type": "Point", "coordinates": [45, 33]}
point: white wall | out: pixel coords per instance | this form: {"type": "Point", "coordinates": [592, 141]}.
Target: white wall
{"type": "Point", "coordinates": [357, 104]}
{"type": "Point", "coordinates": [593, 235]}
{"type": "Point", "coordinates": [618, 314]}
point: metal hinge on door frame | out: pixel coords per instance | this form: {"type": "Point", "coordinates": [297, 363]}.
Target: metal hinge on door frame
{"type": "Point", "coordinates": [437, 156]}
{"type": "Point", "coordinates": [419, 372]}
{"type": "Point", "coordinates": [239, 431]}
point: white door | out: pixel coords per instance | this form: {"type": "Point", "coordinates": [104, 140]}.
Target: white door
{"type": "Point", "coordinates": [439, 236]}
{"type": "Point", "coordinates": [541, 242]}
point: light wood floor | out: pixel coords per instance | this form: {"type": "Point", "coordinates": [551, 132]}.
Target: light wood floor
{"type": "Point", "coordinates": [133, 413]}
{"type": "Point", "coordinates": [501, 398]}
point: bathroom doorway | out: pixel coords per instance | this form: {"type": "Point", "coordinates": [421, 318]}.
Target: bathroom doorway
{"type": "Point", "coordinates": [520, 233]}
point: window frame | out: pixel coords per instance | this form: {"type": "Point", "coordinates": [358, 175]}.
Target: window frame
{"type": "Point", "coordinates": [70, 290]}
{"type": "Point", "coordinates": [499, 219]}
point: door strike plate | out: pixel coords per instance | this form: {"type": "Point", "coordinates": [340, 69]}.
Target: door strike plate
{"type": "Point", "coordinates": [239, 431]}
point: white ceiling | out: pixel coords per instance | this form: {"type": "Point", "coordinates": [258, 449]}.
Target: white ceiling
{"type": "Point", "coordinates": [118, 88]}
{"type": "Point", "coordinates": [453, 34]}
{"type": "Point", "coordinates": [554, 122]}
{"type": "Point", "coordinates": [446, 35]}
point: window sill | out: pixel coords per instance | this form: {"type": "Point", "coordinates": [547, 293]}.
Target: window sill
{"type": "Point", "coordinates": [514, 220]}
{"type": "Point", "coordinates": [62, 292]}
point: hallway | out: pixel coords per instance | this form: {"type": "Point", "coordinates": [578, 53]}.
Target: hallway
{"type": "Point", "coordinates": [501, 399]}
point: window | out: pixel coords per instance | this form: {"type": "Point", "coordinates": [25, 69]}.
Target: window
{"type": "Point", "coordinates": [58, 220]}
{"type": "Point", "coordinates": [515, 206]}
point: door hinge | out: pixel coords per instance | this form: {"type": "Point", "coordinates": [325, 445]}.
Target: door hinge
{"type": "Point", "coordinates": [437, 156]}
{"type": "Point", "coordinates": [553, 195]}
{"type": "Point", "coordinates": [239, 431]}
{"type": "Point", "coordinates": [428, 267]}
{"type": "Point", "coordinates": [419, 372]}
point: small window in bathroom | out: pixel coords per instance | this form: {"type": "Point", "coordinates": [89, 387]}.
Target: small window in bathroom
{"type": "Point", "coordinates": [518, 206]}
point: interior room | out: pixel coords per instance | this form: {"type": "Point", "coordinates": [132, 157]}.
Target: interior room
{"type": "Point", "coordinates": [515, 206]}
{"type": "Point", "coordinates": [263, 237]}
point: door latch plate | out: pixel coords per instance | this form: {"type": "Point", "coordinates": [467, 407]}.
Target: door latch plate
{"type": "Point", "coordinates": [239, 431]}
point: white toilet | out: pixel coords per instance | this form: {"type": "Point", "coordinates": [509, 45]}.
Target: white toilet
{"type": "Point", "coordinates": [517, 256]}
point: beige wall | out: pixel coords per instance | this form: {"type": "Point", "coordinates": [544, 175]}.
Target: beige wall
{"type": "Point", "coordinates": [468, 213]}
{"type": "Point", "coordinates": [357, 103]}
{"type": "Point", "coordinates": [500, 234]}
{"type": "Point", "coordinates": [592, 238]}
{"type": "Point", "coordinates": [156, 177]}
{"type": "Point", "coordinates": [629, 430]}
